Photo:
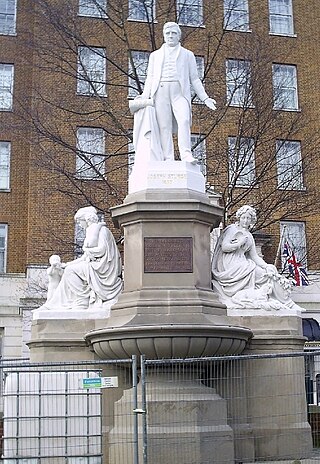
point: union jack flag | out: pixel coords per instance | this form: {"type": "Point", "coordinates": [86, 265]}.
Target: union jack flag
{"type": "Point", "coordinates": [295, 268]}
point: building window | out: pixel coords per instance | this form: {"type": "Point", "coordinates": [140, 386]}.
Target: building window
{"type": "Point", "coordinates": [285, 87]}
{"type": "Point", "coordinates": [289, 165]}
{"type": "Point", "coordinates": [236, 15]}
{"type": "Point", "coordinates": [3, 247]}
{"type": "Point", "coordinates": [200, 68]}
{"type": "Point", "coordinates": [6, 86]}
{"type": "Point", "coordinates": [5, 149]}
{"type": "Point", "coordinates": [93, 8]}
{"type": "Point", "coordinates": [138, 65]}
{"type": "Point", "coordinates": [142, 10]}
{"type": "Point", "coordinates": [131, 157]}
{"type": "Point", "coordinates": [198, 147]}
{"type": "Point", "coordinates": [90, 161]}
{"type": "Point", "coordinates": [79, 236]}
{"type": "Point", "coordinates": [8, 17]}
{"type": "Point", "coordinates": [190, 12]}
{"type": "Point", "coordinates": [281, 17]}
{"type": "Point", "coordinates": [294, 233]}
{"type": "Point", "coordinates": [241, 161]}
{"type": "Point", "coordinates": [91, 71]}
{"type": "Point", "coordinates": [238, 79]}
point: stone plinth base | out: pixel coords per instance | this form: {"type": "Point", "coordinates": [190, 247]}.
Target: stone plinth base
{"type": "Point", "coordinates": [166, 175]}
{"type": "Point", "coordinates": [167, 283]}
{"type": "Point", "coordinates": [187, 423]}
{"type": "Point", "coordinates": [56, 340]}
{"type": "Point", "coordinates": [276, 407]}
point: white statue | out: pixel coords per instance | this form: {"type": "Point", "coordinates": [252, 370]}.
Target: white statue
{"type": "Point", "coordinates": [240, 276]}
{"type": "Point", "coordinates": [94, 279]}
{"type": "Point", "coordinates": [54, 273]}
{"type": "Point", "coordinates": [164, 106]}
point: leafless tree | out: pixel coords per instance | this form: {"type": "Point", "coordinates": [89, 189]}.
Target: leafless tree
{"type": "Point", "coordinates": [244, 171]}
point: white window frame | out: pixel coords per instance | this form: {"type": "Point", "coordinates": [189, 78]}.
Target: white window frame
{"type": "Point", "coordinates": [280, 20]}
{"type": "Point", "coordinates": [79, 236]}
{"type": "Point", "coordinates": [3, 248]}
{"type": "Point", "coordinates": [92, 70]}
{"type": "Point", "coordinates": [8, 17]}
{"type": "Point", "coordinates": [201, 68]}
{"type": "Point", "coordinates": [198, 147]}
{"type": "Point", "coordinates": [238, 82]}
{"type": "Point", "coordinates": [131, 157]}
{"type": "Point", "coordinates": [190, 12]}
{"type": "Point", "coordinates": [93, 8]}
{"type": "Point", "coordinates": [236, 15]}
{"type": "Point", "coordinates": [289, 165]}
{"type": "Point", "coordinates": [6, 86]}
{"type": "Point", "coordinates": [142, 10]}
{"type": "Point", "coordinates": [241, 158]}
{"type": "Point", "coordinates": [140, 61]}
{"type": "Point", "coordinates": [295, 234]}
{"type": "Point", "coordinates": [285, 87]}
{"type": "Point", "coordinates": [5, 156]}
{"type": "Point", "coordinates": [90, 159]}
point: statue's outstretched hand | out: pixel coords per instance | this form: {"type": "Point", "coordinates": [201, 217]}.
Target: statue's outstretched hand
{"type": "Point", "coordinates": [211, 103]}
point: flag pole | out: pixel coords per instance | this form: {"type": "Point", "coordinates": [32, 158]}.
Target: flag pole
{"type": "Point", "coordinates": [280, 244]}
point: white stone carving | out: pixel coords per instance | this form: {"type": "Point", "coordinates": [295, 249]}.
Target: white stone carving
{"type": "Point", "coordinates": [240, 276]}
{"type": "Point", "coordinates": [166, 175]}
{"type": "Point", "coordinates": [164, 106]}
{"type": "Point", "coordinates": [92, 281]}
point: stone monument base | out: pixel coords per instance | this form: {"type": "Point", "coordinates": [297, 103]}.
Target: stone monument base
{"type": "Point", "coordinates": [166, 175]}
{"type": "Point", "coordinates": [276, 397]}
{"type": "Point", "coordinates": [55, 340]}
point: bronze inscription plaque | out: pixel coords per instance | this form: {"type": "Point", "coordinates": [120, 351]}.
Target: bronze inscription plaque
{"type": "Point", "coordinates": [168, 254]}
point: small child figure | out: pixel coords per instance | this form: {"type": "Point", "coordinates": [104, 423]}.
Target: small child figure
{"type": "Point", "coordinates": [54, 272]}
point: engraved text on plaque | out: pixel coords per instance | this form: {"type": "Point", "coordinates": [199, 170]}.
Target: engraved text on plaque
{"type": "Point", "coordinates": [168, 254]}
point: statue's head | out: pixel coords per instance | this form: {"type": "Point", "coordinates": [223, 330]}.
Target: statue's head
{"type": "Point", "coordinates": [171, 34]}
{"type": "Point", "coordinates": [54, 259]}
{"type": "Point", "coordinates": [87, 214]}
{"type": "Point", "coordinates": [249, 212]}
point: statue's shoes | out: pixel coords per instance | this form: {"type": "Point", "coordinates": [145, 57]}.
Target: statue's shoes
{"type": "Point", "coordinates": [190, 159]}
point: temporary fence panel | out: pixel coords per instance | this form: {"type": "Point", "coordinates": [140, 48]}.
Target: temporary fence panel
{"type": "Point", "coordinates": [57, 413]}
{"type": "Point", "coordinates": [225, 410]}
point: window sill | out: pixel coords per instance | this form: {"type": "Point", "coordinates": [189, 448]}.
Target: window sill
{"type": "Point", "coordinates": [238, 30]}
{"type": "Point", "coordinates": [293, 189]}
{"type": "Point", "coordinates": [279, 34]}
{"type": "Point", "coordinates": [90, 179]}
{"type": "Point", "coordinates": [5, 190]}
{"type": "Point", "coordinates": [91, 95]}
{"type": "Point", "coordinates": [199, 26]}
{"type": "Point", "coordinates": [10, 34]}
{"type": "Point", "coordinates": [290, 110]}
{"type": "Point", "coordinates": [249, 186]}
{"type": "Point", "coordinates": [83, 15]}
{"type": "Point", "coordinates": [144, 21]}
{"type": "Point", "coordinates": [243, 107]}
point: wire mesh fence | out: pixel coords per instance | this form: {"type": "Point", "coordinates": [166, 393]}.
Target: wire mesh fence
{"type": "Point", "coordinates": [240, 409]}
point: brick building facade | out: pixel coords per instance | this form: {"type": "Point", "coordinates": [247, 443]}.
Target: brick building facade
{"type": "Point", "coordinates": [67, 70]}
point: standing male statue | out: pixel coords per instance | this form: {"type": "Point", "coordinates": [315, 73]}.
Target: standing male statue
{"type": "Point", "coordinates": [172, 70]}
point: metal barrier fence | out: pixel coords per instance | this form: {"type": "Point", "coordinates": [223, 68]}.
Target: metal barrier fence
{"type": "Point", "coordinates": [239, 409]}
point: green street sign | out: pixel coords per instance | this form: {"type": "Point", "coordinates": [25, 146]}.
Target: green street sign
{"type": "Point", "coordinates": [99, 382]}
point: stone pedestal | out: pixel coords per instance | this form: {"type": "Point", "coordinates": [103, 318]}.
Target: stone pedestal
{"type": "Point", "coordinates": [60, 340]}
{"type": "Point", "coordinates": [167, 307]}
{"type": "Point", "coordinates": [276, 405]}
{"type": "Point", "coordinates": [176, 408]}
